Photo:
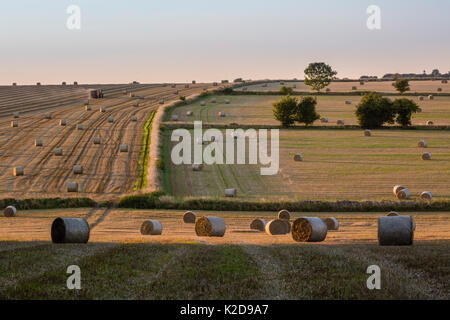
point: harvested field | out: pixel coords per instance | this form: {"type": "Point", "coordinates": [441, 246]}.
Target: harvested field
{"type": "Point", "coordinates": [107, 172]}
{"type": "Point", "coordinates": [379, 86]}
{"type": "Point", "coordinates": [244, 264]}
{"type": "Point", "coordinates": [257, 110]}
{"type": "Point", "coordinates": [337, 165]}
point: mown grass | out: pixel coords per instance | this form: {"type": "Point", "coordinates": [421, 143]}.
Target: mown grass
{"type": "Point", "coordinates": [144, 156]}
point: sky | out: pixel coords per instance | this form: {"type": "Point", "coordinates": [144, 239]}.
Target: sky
{"type": "Point", "coordinates": [209, 40]}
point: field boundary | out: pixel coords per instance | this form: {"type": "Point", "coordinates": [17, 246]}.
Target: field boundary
{"type": "Point", "coordinates": [335, 93]}
{"type": "Point", "coordinates": [141, 182]}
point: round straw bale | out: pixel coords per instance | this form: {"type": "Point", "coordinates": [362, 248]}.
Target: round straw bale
{"type": "Point", "coordinates": [77, 169]}
{"type": "Point", "coordinates": [430, 123]}
{"type": "Point", "coordinates": [110, 119]}
{"type": "Point", "coordinates": [72, 187]}
{"type": "Point", "coordinates": [18, 171]}
{"type": "Point", "coordinates": [221, 114]}
{"type": "Point", "coordinates": [230, 193]}
{"type": "Point", "coordinates": [395, 231]}
{"type": "Point", "coordinates": [421, 98]}
{"type": "Point", "coordinates": [48, 116]}
{"type": "Point", "coordinates": [367, 133]}
{"type": "Point", "coordinates": [186, 86]}
{"type": "Point", "coordinates": [80, 126]}
{"type": "Point", "coordinates": [38, 143]}
{"type": "Point", "coordinates": [174, 85]}
{"type": "Point", "coordinates": [62, 122]}
{"type": "Point", "coordinates": [426, 196]}
{"type": "Point", "coordinates": [210, 227]}
{"type": "Point", "coordinates": [430, 97]}
{"type": "Point", "coordinates": [444, 81]}
{"type": "Point", "coordinates": [102, 109]}
{"type": "Point", "coordinates": [175, 92]}
{"type": "Point", "coordinates": [332, 223]}
{"type": "Point", "coordinates": [361, 83]}
{"type": "Point", "coordinates": [276, 227]}
{"type": "Point", "coordinates": [136, 104]}
{"type": "Point", "coordinates": [213, 100]}
{"type": "Point", "coordinates": [133, 118]}
{"type": "Point", "coordinates": [348, 102]}
{"type": "Point", "coordinates": [309, 230]}
{"type": "Point", "coordinates": [189, 217]}
{"type": "Point", "coordinates": [340, 122]}
{"type": "Point", "coordinates": [70, 230]}
{"type": "Point", "coordinates": [324, 120]}
{"type": "Point", "coordinates": [298, 157]}
{"type": "Point", "coordinates": [258, 224]}
{"type": "Point", "coordinates": [14, 124]}
{"type": "Point", "coordinates": [10, 211]}
{"type": "Point", "coordinates": [58, 152]}
{"type": "Point", "coordinates": [227, 101]}
{"type": "Point", "coordinates": [161, 101]}
{"type": "Point", "coordinates": [189, 113]}
{"type": "Point", "coordinates": [97, 140]}
{"type": "Point", "coordinates": [174, 117]}
{"type": "Point", "coordinates": [397, 188]}
{"type": "Point", "coordinates": [203, 103]}
{"type": "Point", "coordinates": [123, 148]}
{"type": "Point", "coordinates": [392, 214]}
{"type": "Point", "coordinates": [197, 167]}
{"type": "Point", "coordinates": [87, 107]}
{"type": "Point", "coordinates": [426, 156]}
{"type": "Point", "coordinates": [354, 88]}
{"type": "Point", "coordinates": [439, 89]}
{"type": "Point", "coordinates": [403, 194]}
{"type": "Point", "coordinates": [422, 144]}
{"type": "Point", "coordinates": [284, 214]}
{"type": "Point", "coordinates": [151, 228]}
{"type": "Point", "coordinates": [16, 115]}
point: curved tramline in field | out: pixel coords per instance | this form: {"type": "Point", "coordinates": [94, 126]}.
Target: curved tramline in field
{"type": "Point", "coordinates": [107, 173]}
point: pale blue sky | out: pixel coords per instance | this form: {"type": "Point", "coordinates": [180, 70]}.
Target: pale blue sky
{"type": "Point", "coordinates": [175, 40]}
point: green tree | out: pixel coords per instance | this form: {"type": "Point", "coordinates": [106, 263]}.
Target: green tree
{"type": "Point", "coordinates": [284, 110]}
{"type": "Point", "coordinates": [374, 110]}
{"type": "Point", "coordinates": [286, 91]}
{"type": "Point", "coordinates": [401, 85]}
{"type": "Point", "coordinates": [306, 111]}
{"type": "Point", "coordinates": [319, 75]}
{"type": "Point", "coordinates": [404, 109]}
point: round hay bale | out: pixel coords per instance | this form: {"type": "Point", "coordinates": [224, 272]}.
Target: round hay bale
{"type": "Point", "coordinates": [58, 152]}
{"type": "Point", "coordinates": [133, 118]}
{"type": "Point", "coordinates": [161, 101]}
{"type": "Point", "coordinates": [215, 84]}
{"type": "Point", "coordinates": [426, 156]}
{"type": "Point", "coordinates": [189, 113]}
{"type": "Point", "coordinates": [213, 100]}
{"type": "Point", "coordinates": [361, 83]}
{"type": "Point", "coordinates": [395, 231]}
{"type": "Point", "coordinates": [444, 81]}
{"type": "Point", "coordinates": [230, 193]}
{"type": "Point", "coordinates": [110, 119]}
{"type": "Point", "coordinates": [14, 124]}
{"type": "Point", "coordinates": [309, 230]}
{"type": "Point", "coordinates": [62, 122]}
{"type": "Point", "coordinates": [186, 86]}
{"type": "Point", "coordinates": [426, 196]}
{"type": "Point", "coordinates": [397, 188]}
{"type": "Point", "coordinates": [175, 92]}
{"type": "Point", "coordinates": [258, 224]}
{"type": "Point", "coordinates": [221, 114]}
{"type": "Point", "coordinates": [430, 97]}
{"type": "Point", "coordinates": [203, 103]}
{"type": "Point", "coordinates": [422, 144]}
{"type": "Point", "coordinates": [324, 120]}
{"type": "Point", "coordinates": [276, 227]}
{"type": "Point", "coordinates": [189, 217]}
{"type": "Point", "coordinates": [70, 230]}
{"type": "Point", "coordinates": [430, 123]}
{"type": "Point", "coordinates": [439, 89]}
{"type": "Point", "coordinates": [227, 101]}
{"type": "Point", "coordinates": [72, 187]}
{"type": "Point", "coordinates": [197, 167]}
{"type": "Point", "coordinates": [421, 98]}
{"type": "Point", "coordinates": [392, 214]}
{"type": "Point", "coordinates": [340, 122]}
{"type": "Point", "coordinates": [48, 116]}
{"type": "Point", "coordinates": [102, 109]}
{"type": "Point", "coordinates": [284, 214]}
{"type": "Point", "coordinates": [348, 102]}
{"type": "Point", "coordinates": [123, 148]}
{"type": "Point", "coordinates": [80, 126]}
{"type": "Point", "coordinates": [354, 88]}
{"type": "Point", "coordinates": [151, 228]}
{"type": "Point", "coordinates": [174, 117]}
{"type": "Point", "coordinates": [367, 133]}
{"type": "Point", "coordinates": [38, 143]}
{"type": "Point", "coordinates": [332, 223]}
{"type": "Point", "coordinates": [18, 171]}
{"type": "Point", "coordinates": [97, 140]}
{"type": "Point", "coordinates": [10, 211]}
{"type": "Point", "coordinates": [77, 169]}
{"type": "Point", "coordinates": [210, 227]}
{"type": "Point", "coordinates": [403, 194]}
{"type": "Point", "coordinates": [87, 107]}
{"type": "Point", "coordinates": [136, 104]}
{"type": "Point", "coordinates": [174, 85]}
{"type": "Point", "coordinates": [16, 115]}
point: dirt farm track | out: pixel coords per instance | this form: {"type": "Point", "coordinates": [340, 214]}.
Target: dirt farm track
{"type": "Point", "coordinates": [107, 172]}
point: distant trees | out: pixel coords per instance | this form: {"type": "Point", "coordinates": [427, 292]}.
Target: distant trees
{"type": "Point", "coordinates": [319, 75]}
{"type": "Point", "coordinates": [401, 85]}
{"type": "Point", "coordinates": [373, 111]}
{"type": "Point", "coordinates": [286, 91]}
{"type": "Point", "coordinates": [289, 110]}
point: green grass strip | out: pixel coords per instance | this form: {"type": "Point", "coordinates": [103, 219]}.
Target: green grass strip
{"type": "Point", "coordinates": [144, 157]}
